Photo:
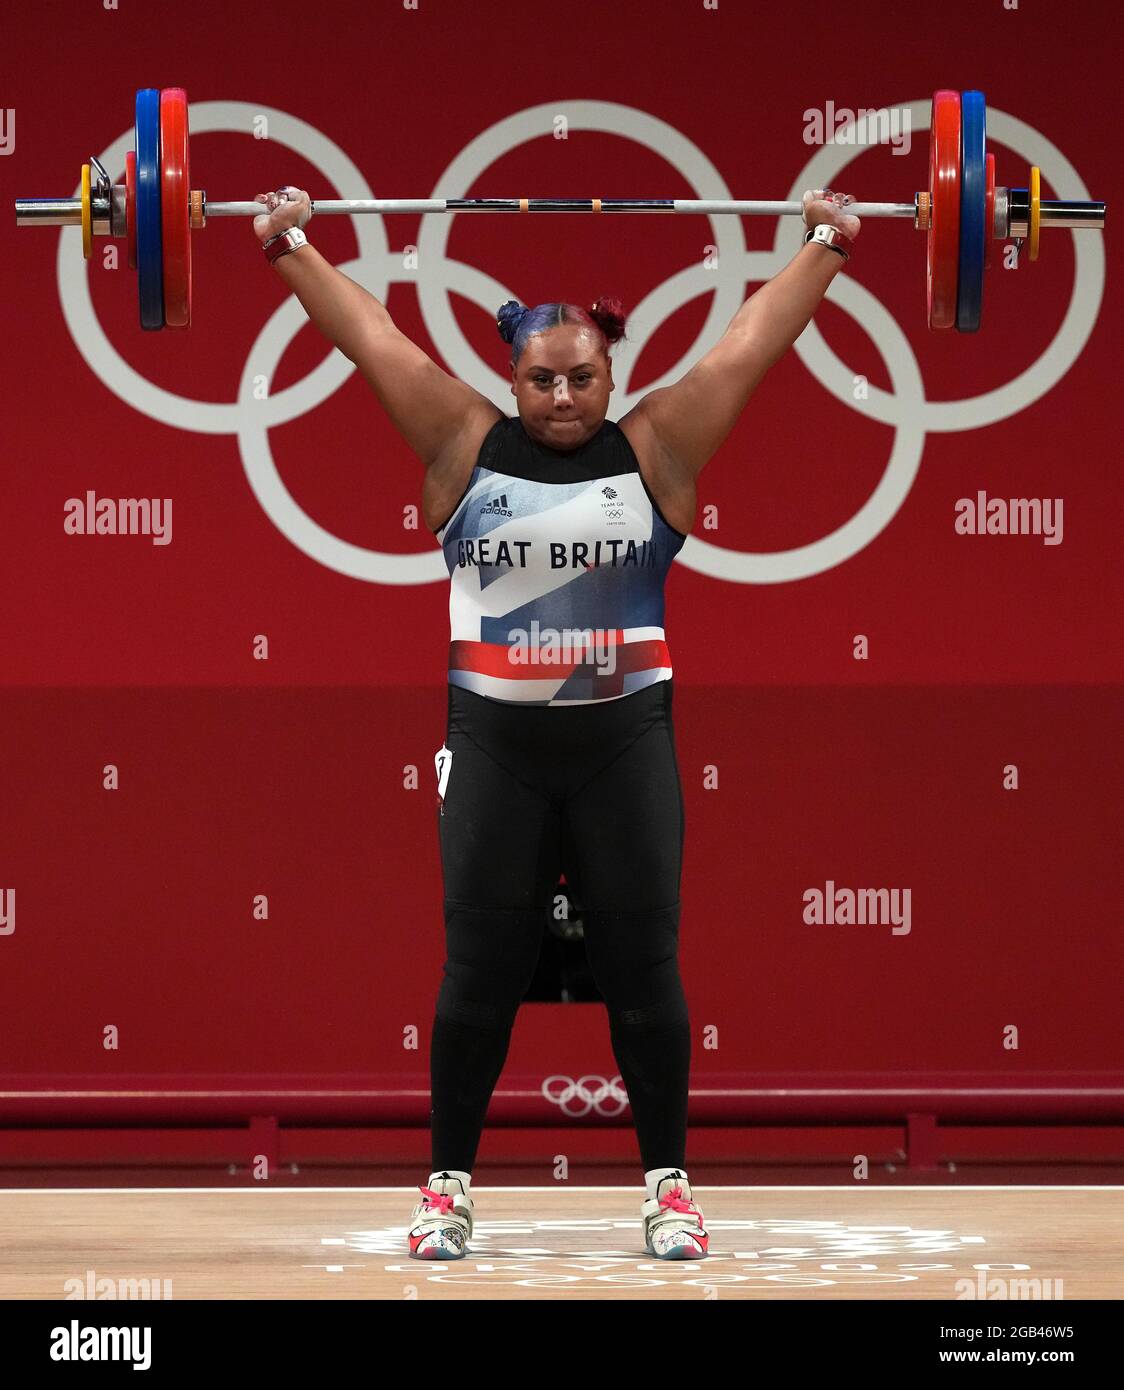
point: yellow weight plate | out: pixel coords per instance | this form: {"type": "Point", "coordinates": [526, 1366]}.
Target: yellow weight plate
{"type": "Point", "coordinates": [1035, 212]}
{"type": "Point", "coordinates": [87, 215]}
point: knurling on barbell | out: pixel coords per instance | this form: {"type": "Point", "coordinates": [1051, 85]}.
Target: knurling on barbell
{"type": "Point", "coordinates": [156, 209]}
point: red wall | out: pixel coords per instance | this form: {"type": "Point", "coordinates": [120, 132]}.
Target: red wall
{"type": "Point", "coordinates": [285, 777]}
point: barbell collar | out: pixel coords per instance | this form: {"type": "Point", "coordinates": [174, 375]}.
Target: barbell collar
{"type": "Point", "coordinates": [117, 211]}
{"type": "Point", "coordinates": [1001, 214]}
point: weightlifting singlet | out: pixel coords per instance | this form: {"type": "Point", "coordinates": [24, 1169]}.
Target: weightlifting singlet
{"type": "Point", "coordinates": [557, 562]}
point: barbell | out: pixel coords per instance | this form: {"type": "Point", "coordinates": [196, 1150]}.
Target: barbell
{"type": "Point", "coordinates": [963, 211]}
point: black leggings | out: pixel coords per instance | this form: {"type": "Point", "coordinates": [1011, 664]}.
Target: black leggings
{"type": "Point", "coordinates": [593, 792]}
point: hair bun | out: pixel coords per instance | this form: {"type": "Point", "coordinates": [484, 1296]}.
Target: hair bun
{"type": "Point", "coordinates": [509, 318]}
{"type": "Point", "coordinates": [608, 314]}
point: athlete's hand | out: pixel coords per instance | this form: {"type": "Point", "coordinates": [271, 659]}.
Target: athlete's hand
{"type": "Point", "coordinates": [288, 207]}
{"type": "Point", "coordinates": [822, 205]}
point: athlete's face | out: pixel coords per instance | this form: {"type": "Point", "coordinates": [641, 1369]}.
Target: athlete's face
{"type": "Point", "coordinates": [561, 385]}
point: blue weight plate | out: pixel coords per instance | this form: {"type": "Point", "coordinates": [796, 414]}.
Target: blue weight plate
{"type": "Point", "coordinates": [150, 251]}
{"type": "Point", "coordinates": [973, 211]}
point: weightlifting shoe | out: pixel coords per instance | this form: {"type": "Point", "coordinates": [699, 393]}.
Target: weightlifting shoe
{"type": "Point", "coordinates": [673, 1224]}
{"type": "Point", "coordinates": [441, 1223]}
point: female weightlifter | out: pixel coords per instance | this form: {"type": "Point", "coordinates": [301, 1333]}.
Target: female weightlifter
{"type": "Point", "coordinates": [558, 528]}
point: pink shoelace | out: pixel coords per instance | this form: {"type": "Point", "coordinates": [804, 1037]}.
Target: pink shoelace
{"type": "Point", "coordinates": [440, 1200]}
{"type": "Point", "coordinates": [675, 1201]}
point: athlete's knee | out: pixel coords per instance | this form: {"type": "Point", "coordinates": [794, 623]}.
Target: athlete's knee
{"type": "Point", "coordinates": [634, 958]}
{"type": "Point", "coordinates": [491, 956]}
{"type": "Point", "coordinates": [643, 937]}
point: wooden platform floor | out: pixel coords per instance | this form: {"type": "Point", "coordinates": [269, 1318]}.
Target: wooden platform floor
{"type": "Point", "coordinates": [578, 1242]}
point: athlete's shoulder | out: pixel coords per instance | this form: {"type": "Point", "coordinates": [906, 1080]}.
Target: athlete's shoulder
{"type": "Point", "coordinates": [491, 446]}
{"type": "Point", "coordinates": [619, 444]}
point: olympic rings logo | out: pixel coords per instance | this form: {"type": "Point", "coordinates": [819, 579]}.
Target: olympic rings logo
{"type": "Point", "coordinates": [570, 1092]}
{"type": "Point", "coordinates": [377, 267]}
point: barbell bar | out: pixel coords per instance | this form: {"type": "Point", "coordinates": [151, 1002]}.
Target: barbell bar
{"type": "Point", "coordinates": [67, 212]}
{"type": "Point", "coordinates": [962, 205]}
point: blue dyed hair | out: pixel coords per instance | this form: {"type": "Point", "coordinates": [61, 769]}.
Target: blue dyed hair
{"type": "Point", "coordinates": [516, 322]}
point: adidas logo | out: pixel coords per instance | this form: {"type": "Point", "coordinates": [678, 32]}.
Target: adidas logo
{"type": "Point", "coordinates": [496, 507]}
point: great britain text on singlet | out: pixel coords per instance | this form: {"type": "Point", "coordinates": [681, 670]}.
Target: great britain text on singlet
{"type": "Point", "coordinates": [561, 555]}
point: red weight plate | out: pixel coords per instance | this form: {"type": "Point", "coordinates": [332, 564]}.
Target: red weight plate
{"type": "Point", "coordinates": [944, 216]}
{"type": "Point", "coordinates": [175, 211]}
{"type": "Point", "coordinates": [989, 213]}
{"type": "Point", "coordinates": [131, 206]}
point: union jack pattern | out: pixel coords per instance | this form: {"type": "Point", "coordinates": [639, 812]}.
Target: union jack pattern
{"type": "Point", "coordinates": [557, 587]}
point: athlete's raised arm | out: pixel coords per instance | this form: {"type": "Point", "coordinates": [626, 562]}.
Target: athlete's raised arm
{"type": "Point", "coordinates": [428, 407]}
{"type": "Point", "coordinates": [690, 419]}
